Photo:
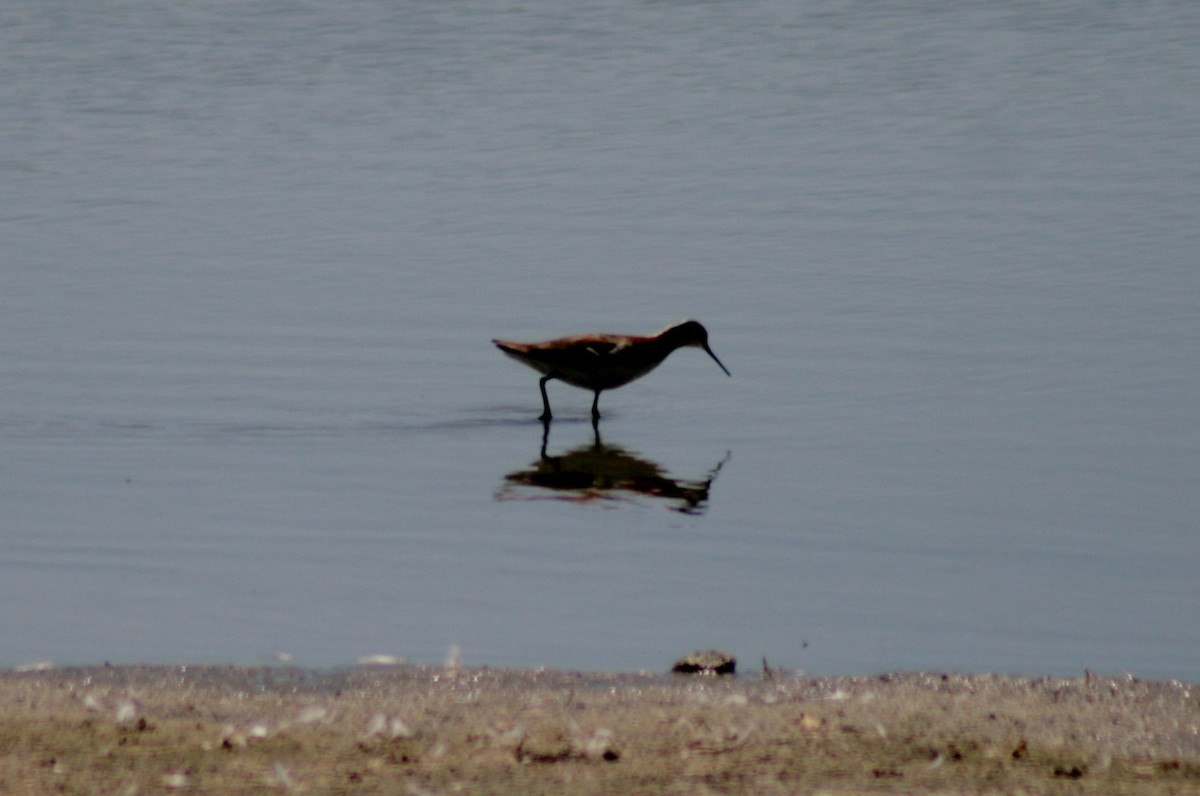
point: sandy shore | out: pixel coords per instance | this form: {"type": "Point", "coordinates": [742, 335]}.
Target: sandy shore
{"type": "Point", "coordinates": [428, 730]}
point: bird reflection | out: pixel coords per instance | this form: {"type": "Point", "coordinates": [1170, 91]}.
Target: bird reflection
{"type": "Point", "coordinates": [600, 472]}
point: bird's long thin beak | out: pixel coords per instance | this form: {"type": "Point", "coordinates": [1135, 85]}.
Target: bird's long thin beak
{"type": "Point", "coordinates": [714, 356]}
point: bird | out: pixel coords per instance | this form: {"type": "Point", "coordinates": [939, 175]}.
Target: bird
{"type": "Point", "coordinates": [600, 362]}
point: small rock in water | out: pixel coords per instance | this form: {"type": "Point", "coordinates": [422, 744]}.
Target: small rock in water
{"type": "Point", "coordinates": [706, 662]}
{"type": "Point", "coordinates": [379, 660]}
{"type": "Point", "coordinates": [36, 666]}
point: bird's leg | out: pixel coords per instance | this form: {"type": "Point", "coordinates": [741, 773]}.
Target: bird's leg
{"type": "Point", "coordinates": [546, 415]}
{"type": "Point", "coordinates": [596, 406]}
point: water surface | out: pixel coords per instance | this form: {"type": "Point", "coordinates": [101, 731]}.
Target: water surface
{"type": "Point", "coordinates": [254, 255]}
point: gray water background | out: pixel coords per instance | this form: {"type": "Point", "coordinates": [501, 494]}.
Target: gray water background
{"type": "Point", "coordinates": [253, 254]}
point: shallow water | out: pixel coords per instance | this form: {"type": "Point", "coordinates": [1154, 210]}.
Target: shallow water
{"type": "Point", "coordinates": [253, 258]}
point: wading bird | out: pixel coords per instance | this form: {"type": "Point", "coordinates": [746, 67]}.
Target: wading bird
{"type": "Point", "coordinates": [600, 362]}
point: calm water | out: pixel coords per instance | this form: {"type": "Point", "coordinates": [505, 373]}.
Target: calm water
{"type": "Point", "coordinates": [253, 255]}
